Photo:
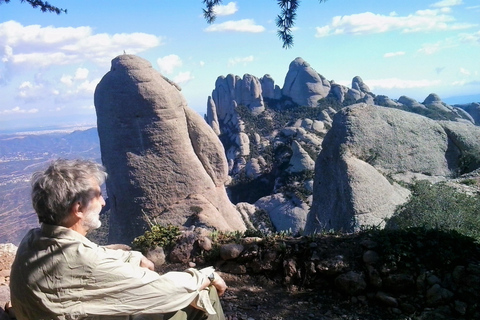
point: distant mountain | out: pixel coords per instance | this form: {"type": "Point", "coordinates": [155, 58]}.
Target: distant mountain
{"type": "Point", "coordinates": [462, 99]}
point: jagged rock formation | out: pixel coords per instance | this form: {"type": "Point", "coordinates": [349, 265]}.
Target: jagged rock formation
{"type": "Point", "coordinates": [304, 85]}
{"type": "Point", "coordinates": [164, 162]}
{"type": "Point", "coordinates": [432, 107]}
{"type": "Point", "coordinates": [271, 146]}
{"type": "Point", "coordinates": [365, 145]}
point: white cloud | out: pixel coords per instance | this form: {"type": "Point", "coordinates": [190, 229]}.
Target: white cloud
{"type": "Point", "coordinates": [81, 74]}
{"type": "Point", "coordinates": [245, 25]}
{"type": "Point", "coordinates": [18, 110]}
{"type": "Point", "coordinates": [394, 54]}
{"type": "Point", "coordinates": [470, 38]}
{"type": "Point", "coordinates": [395, 83]}
{"type": "Point", "coordinates": [76, 90]}
{"type": "Point", "coordinates": [183, 77]}
{"type": "Point", "coordinates": [227, 10]}
{"type": "Point", "coordinates": [431, 48]}
{"type": "Point", "coordinates": [464, 71]}
{"type": "Point", "coordinates": [459, 83]}
{"type": "Point", "coordinates": [30, 92]}
{"type": "Point", "coordinates": [88, 87]}
{"type": "Point", "coordinates": [168, 63]}
{"type": "Point", "coordinates": [452, 42]}
{"type": "Point", "coordinates": [38, 46]}
{"type": "Point", "coordinates": [322, 31]}
{"type": "Point", "coordinates": [369, 23]}
{"type": "Point", "coordinates": [447, 3]}
{"type": "Point", "coordinates": [66, 80]}
{"type": "Point", "coordinates": [235, 61]}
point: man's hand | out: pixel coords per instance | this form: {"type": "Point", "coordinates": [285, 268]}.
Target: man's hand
{"type": "Point", "coordinates": [219, 284]}
{"type": "Point", "coordinates": [145, 263]}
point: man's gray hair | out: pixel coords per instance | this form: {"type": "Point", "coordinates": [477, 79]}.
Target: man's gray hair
{"type": "Point", "coordinates": [61, 185]}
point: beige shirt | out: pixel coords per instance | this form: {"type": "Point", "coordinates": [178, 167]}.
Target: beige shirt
{"type": "Point", "coordinates": [60, 274]}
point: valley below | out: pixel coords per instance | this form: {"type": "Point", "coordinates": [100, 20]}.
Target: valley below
{"type": "Point", "coordinates": [21, 156]}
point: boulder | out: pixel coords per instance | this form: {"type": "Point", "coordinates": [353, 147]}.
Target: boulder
{"type": "Point", "coordinates": [351, 283]}
{"type": "Point", "coordinates": [285, 214]}
{"type": "Point", "coordinates": [339, 92]}
{"type": "Point", "coordinates": [385, 101]}
{"type": "Point", "coordinates": [433, 101]}
{"type": "Point", "coordinates": [164, 161]}
{"type": "Point", "coordinates": [365, 144]}
{"type": "Point", "coordinates": [411, 103]}
{"type": "Point", "coordinates": [358, 84]}
{"type": "Point", "coordinates": [304, 85]}
{"type": "Point", "coordinates": [473, 110]}
{"type": "Point", "coordinates": [300, 160]}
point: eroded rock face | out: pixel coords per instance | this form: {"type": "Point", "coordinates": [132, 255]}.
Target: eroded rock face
{"type": "Point", "coordinates": [365, 144]}
{"type": "Point", "coordinates": [285, 214]}
{"type": "Point", "coordinates": [163, 160]}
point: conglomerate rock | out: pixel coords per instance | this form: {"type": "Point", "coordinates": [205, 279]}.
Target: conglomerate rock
{"type": "Point", "coordinates": [367, 146]}
{"type": "Point", "coordinates": [165, 164]}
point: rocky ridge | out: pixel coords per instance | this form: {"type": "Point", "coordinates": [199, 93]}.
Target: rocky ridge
{"type": "Point", "coordinates": [270, 149]}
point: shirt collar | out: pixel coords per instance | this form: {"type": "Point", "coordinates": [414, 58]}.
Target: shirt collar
{"type": "Point", "coordinates": [54, 231]}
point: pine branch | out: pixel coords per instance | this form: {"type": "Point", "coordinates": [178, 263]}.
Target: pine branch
{"type": "Point", "coordinates": [284, 21]}
{"type": "Point", "coordinates": [208, 12]}
{"type": "Point", "coordinates": [43, 6]}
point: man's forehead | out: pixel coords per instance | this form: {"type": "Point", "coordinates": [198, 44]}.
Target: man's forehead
{"type": "Point", "coordinates": [95, 185]}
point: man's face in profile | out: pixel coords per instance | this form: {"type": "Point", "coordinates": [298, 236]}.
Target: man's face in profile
{"type": "Point", "coordinates": [92, 211]}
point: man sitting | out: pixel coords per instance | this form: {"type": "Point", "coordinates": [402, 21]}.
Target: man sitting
{"type": "Point", "coordinates": [59, 274]}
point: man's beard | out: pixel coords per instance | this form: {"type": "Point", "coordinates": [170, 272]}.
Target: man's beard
{"type": "Point", "coordinates": [92, 221]}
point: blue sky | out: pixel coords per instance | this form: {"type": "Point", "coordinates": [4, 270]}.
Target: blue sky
{"type": "Point", "coordinates": [50, 64]}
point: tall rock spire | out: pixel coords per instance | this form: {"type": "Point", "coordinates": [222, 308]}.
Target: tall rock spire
{"type": "Point", "coordinates": [164, 162]}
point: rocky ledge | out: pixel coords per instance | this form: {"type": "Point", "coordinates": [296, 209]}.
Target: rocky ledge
{"type": "Point", "coordinates": [375, 274]}
{"type": "Point", "coordinates": [370, 275]}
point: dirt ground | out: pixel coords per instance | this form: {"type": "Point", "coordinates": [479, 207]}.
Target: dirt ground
{"type": "Point", "coordinates": [257, 298]}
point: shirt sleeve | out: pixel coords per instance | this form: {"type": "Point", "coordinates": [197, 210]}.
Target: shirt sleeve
{"type": "Point", "coordinates": [117, 285]}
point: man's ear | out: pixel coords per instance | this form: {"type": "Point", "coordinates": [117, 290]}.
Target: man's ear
{"type": "Point", "coordinates": [75, 215]}
{"type": "Point", "coordinates": [77, 209]}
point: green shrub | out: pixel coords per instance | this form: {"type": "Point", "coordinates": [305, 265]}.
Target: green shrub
{"type": "Point", "coordinates": [423, 248]}
{"type": "Point", "coordinates": [161, 236]}
{"type": "Point", "coordinates": [469, 182]}
{"type": "Point", "coordinates": [439, 206]}
{"type": "Point", "coordinates": [469, 161]}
